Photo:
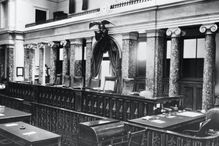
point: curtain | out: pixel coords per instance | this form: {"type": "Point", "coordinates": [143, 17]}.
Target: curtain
{"type": "Point", "coordinates": [85, 5]}
{"type": "Point", "coordinates": [115, 61]}
{"type": "Point", "coordinates": [106, 44]}
{"type": "Point", "coordinates": [71, 6]}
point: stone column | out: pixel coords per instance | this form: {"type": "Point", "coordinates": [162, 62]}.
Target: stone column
{"type": "Point", "coordinates": [77, 43]}
{"type": "Point", "coordinates": [53, 58]}
{"type": "Point", "coordinates": [175, 34]}
{"type": "Point", "coordinates": [65, 45]}
{"type": "Point", "coordinates": [209, 65]}
{"type": "Point", "coordinates": [29, 62]}
{"type": "Point", "coordinates": [10, 63]}
{"type": "Point", "coordinates": [41, 47]}
{"type": "Point", "coordinates": [154, 61]}
{"type": "Point", "coordinates": [129, 46]}
{"type": "Point", "coordinates": [88, 58]}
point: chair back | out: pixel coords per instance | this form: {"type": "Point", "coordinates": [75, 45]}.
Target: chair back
{"type": "Point", "coordinates": [211, 122]}
{"type": "Point", "coordinates": [213, 114]}
{"type": "Point", "coordinates": [137, 138]}
{"type": "Point", "coordinates": [67, 81]}
{"type": "Point", "coordinates": [110, 84]}
{"type": "Point", "coordinates": [128, 86]}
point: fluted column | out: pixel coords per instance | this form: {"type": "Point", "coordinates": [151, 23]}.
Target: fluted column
{"type": "Point", "coordinates": [29, 62]}
{"type": "Point", "coordinates": [10, 63]}
{"type": "Point", "coordinates": [209, 65]}
{"type": "Point", "coordinates": [88, 58]}
{"type": "Point", "coordinates": [41, 47]}
{"type": "Point", "coordinates": [77, 43]}
{"type": "Point", "coordinates": [175, 34]}
{"type": "Point", "coordinates": [65, 45]}
{"type": "Point", "coordinates": [53, 58]}
{"type": "Point", "coordinates": [129, 47]}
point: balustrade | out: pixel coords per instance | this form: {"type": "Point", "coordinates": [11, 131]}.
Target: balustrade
{"type": "Point", "coordinates": [61, 121]}
{"type": "Point", "coordinates": [158, 137]}
{"type": "Point", "coordinates": [117, 106]}
{"type": "Point", "coordinates": [127, 3]}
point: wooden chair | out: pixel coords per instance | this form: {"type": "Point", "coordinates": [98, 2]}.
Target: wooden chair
{"type": "Point", "coordinates": [137, 138]}
{"type": "Point", "coordinates": [211, 123]}
{"type": "Point", "coordinates": [77, 81]}
{"type": "Point", "coordinates": [128, 86]}
{"type": "Point", "coordinates": [67, 81]}
{"type": "Point", "coordinates": [94, 84]}
{"type": "Point", "coordinates": [110, 84]}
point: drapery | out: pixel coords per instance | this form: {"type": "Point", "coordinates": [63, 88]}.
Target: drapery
{"type": "Point", "coordinates": [85, 5]}
{"type": "Point", "coordinates": [105, 44]}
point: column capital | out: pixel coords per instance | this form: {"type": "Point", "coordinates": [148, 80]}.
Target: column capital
{"type": "Point", "coordinates": [30, 46]}
{"type": "Point", "coordinates": [208, 28]}
{"type": "Point", "coordinates": [130, 36]}
{"type": "Point", "coordinates": [53, 44]}
{"type": "Point", "coordinates": [174, 32]}
{"type": "Point", "coordinates": [41, 45]}
{"type": "Point", "coordinates": [65, 43]}
{"type": "Point", "coordinates": [76, 42]}
{"type": "Point", "coordinates": [155, 33]}
{"type": "Point", "coordinates": [89, 40]}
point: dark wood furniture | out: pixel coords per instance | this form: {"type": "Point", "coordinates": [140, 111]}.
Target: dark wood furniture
{"type": "Point", "coordinates": [174, 121]}
{"type": "Point", "coordinates": [13, 115]}
{"type": "Point", "coordinates": [102, 132]}
{"type": "Point", "coordinates": [24, 134]}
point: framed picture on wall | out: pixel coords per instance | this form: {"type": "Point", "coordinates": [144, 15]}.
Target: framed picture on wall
{"type": "Point", "coordinates": [20, 71]}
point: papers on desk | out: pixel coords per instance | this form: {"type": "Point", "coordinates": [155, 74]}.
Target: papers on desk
{"type": "Point", "coordinates": [189, 114]}
{"type": "Point", "coordinates": [29, 133]}
{"type": "Point", "coordinates": [147, 117]}
{"type": "Point", "coordinates": [158, 121]}
{"type": "Point", "coordinates": [11, 124]}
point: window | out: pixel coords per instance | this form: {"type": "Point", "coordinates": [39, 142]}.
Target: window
{"type": "Point", "coordinates": [71, 6]}
{"type": "Point", "coordinates": [40, 16]}
{"type": "Point", "coordinates": [193, 58]}
{"type": "Point", "coordinates": [167, 59]}
{"type": "Point", "coordinates": [192, 55]}
{"type": "Point", "coordinates": [141, 60]}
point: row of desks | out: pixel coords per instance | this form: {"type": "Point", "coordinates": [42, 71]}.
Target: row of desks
{"type": "Point", "coordinates": [15, 132]}
{"type": "Point", "coordinates": [170, 121]}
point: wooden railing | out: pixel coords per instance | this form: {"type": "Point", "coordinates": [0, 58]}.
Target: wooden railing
{"type": "Point", "coordinates": [61, 121]}
{"type": "Point", "coordinates": [158, 137]}
{"type": "Point", "coordinates": [117, 106]}
{"type": "Point", "coordinates": [104, 104]}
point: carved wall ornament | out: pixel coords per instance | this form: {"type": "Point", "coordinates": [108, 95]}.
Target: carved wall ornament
{"type": "Point", "coordinates": [208, 28]}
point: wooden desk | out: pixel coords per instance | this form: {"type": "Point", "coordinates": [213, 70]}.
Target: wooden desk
{"type": "Point", "coordinates": [12, 115]}
{"type": "Point", "coordinates": [170, 122]}
{"type": "Point", "coordinates": [27, 135]}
